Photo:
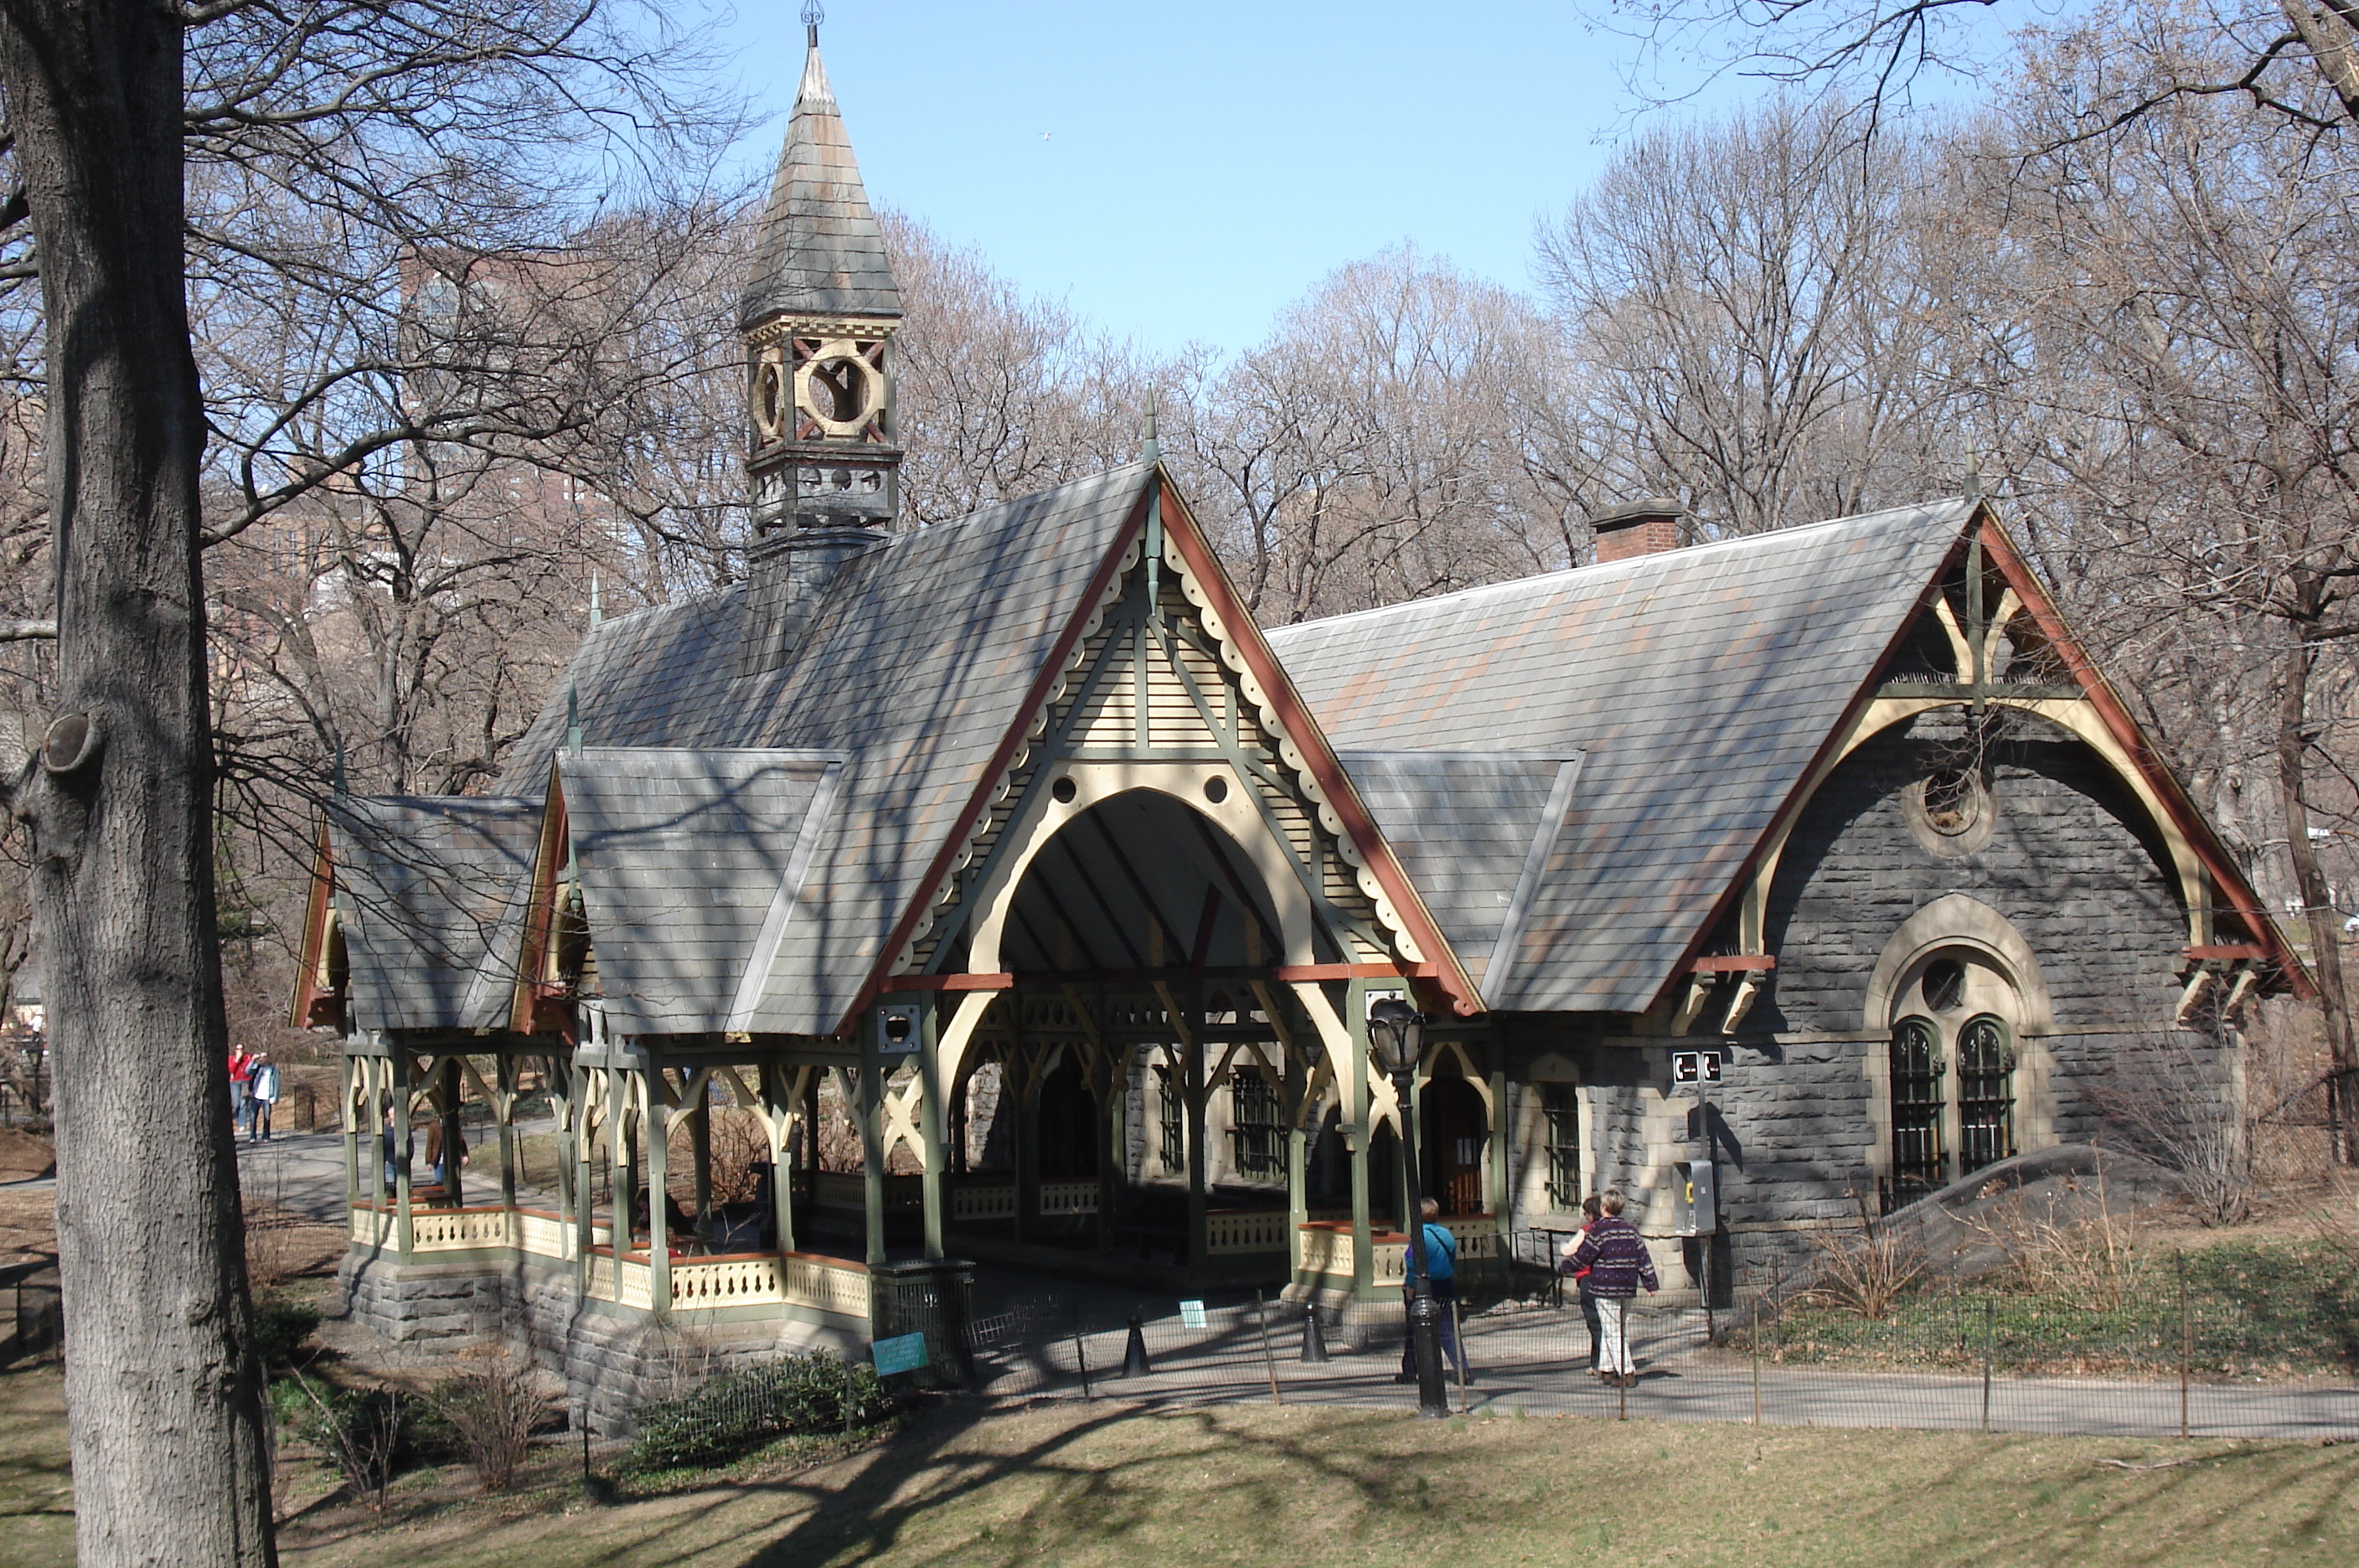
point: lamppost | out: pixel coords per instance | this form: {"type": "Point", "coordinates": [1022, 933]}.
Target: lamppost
{"type": "Point", "coordinates": [1398, 1031]}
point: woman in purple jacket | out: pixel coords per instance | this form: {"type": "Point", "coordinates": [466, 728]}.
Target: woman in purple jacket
{"type": "Point", "coordinates": [1615, 1256]}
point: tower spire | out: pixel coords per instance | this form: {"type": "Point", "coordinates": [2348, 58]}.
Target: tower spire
{"type": "Point", "coordinates": [819, 314]}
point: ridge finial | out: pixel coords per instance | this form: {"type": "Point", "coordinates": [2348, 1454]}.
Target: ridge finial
{"type": "Point", "coordinates": [813, 14]}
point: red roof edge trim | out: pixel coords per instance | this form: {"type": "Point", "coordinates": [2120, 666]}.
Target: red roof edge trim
{"type": "Point", "coordinates": [303, 1012]}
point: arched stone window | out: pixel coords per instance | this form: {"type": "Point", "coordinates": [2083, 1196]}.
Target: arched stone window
{"type": "Point", "coordinates": [1918, 1165]}
{"type": "Point", "coordinates": [1986, 1093]}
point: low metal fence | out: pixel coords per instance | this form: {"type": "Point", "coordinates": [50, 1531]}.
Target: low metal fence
{"type": "Point", "coordinates": [2167, 1356]}
{"type": "Point", "coordinates": [35, 1321]}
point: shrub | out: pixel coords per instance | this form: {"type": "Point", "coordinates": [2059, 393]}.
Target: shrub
{"type": "Point", "coordinates": [1865, 1270]}
{"type": "Point", "coordinates": [280, 1327]}
{"type": "Point", "coordinates": [491, 1410]}
{"type": "Point", "coordinates": [362, 1430]}
{"type": "Point", "coordinates": [735, 1413]}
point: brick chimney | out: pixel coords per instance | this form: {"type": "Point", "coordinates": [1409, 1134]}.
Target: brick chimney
{"type": "Point", "coordinates": [1643, 527]}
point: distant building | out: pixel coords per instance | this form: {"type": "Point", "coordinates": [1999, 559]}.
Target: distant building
{"type": "Point", "coordinates": [1824, 857]}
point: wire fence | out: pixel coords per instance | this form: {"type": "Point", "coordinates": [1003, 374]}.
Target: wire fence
{"type": "Point", "coordinates": [35, 1312]}
{"type": "Point", "coordinates": [2167, 1356]}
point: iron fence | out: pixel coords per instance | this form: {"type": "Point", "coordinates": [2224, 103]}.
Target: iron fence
{"type": "Point", "coordinates": [2176, 1352]}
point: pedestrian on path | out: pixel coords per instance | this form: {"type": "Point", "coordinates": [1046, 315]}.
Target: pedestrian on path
{"type": "Point", "coordinates": [1579, 1276]}
{"type": "Point", "coordinates": [262, 1096]}
{"type": "Point", "coordinates": [1614, 1254]}
{"type": "Point", "coordinates": [1441, 1275]}
{"type": "Point", "coordinates": [240, 1065]}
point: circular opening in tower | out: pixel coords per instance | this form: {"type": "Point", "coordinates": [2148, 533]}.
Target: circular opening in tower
{"type": "Point", "coordinates": [1216, 790]}
{"type": "Point", "coordinates": [1064, 789]}
{"type": "Point", "coordinates": [1953, 801]}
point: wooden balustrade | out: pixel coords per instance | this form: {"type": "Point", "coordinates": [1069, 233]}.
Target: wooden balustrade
{"type": "Point", "coordinates": [1246, 1230]}
{"type": "Point", "coordinates": [1069, 1197]}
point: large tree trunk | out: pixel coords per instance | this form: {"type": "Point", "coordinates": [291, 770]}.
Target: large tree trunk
{"type": "Point", "coordinates": [2318, 903]}
{"type": "Point", "coordinates": [163, 1390]}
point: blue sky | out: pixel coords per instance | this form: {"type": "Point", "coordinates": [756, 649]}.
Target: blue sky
{"type": "Point", "coordinates": [1181, 172]}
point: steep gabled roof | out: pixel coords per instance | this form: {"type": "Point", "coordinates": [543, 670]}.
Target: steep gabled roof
{"type": "Point", "coordinates": [920, 658]}
{"type": "Point", "coordinates": [420, 883]}
{"type": "Point", "coordinates": [1475, 830]}
{"type": "Point", "coordinates": [692, 866]}
{"type": "Point", "coordinates": [1697, 684]}
{"type": "Point", "coordinates": [819, 251]}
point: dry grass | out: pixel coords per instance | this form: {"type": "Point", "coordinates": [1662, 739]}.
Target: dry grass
{"type": "Point", "coordinates": [1864, 1268]}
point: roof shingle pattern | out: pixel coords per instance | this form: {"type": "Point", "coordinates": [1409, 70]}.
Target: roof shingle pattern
{"type": "Point", "coordinates": [916, 665]}
{"type": "Point", "coordinates": [1698, 684]}
{"type": "Point", "coordinates": [421, 886]}
{"type": "Point", "coordinates": [820, 251]}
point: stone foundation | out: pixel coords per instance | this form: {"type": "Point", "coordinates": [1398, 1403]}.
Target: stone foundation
{"type": "Point", "coordinates": [611, 1360]}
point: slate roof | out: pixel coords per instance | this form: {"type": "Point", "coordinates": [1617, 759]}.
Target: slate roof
{"type": "Point", "coordinates": [1698, 684]}
{"type": "Point", "coordinates": [916, 663]}
{"type": "Point", "coordinates": [692, 866]}
{"type": "Point", "coordinates": [421, 886]}
{"type": "Point", "coordinates": [1475, 830]}
{"type": "Point", "coordinates": [819, 251]}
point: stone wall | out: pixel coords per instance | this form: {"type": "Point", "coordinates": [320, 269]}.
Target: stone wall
{"type": "Point", "coordinates": [2068, 863]}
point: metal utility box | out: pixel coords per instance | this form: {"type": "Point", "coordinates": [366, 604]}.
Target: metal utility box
{"type": "Point", "coordinates": [1698, 1207]}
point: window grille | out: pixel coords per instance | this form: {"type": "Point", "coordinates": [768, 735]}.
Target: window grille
{"type": "Point", "coordinates": [1560, 1136]}
{"type": "Point", "coordinates": [1256, 1123]}
{"type": "Point", "coordinates": [1985, 1094]}
{"type": "Point", "coordinates": [1916, 1163]}
{"type": "Point", "coordinates": [1171, 1125]}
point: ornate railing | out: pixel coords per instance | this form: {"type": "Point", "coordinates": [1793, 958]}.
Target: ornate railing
{"type": "Point", "coordinates": [1246, 1230]}
{"type": "Point", "coordinates": [1326, 1248]}
{"type": "Point", "coordinates": [1069, 1197]}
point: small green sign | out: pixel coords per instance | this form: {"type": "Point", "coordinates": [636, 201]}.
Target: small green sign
{"type": "Point", "coordinates": [903, 1353]}
{"type": "Point", "coordinates": [1192, 1314]}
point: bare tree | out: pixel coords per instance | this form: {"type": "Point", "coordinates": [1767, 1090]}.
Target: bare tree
{"type": "Point", "coordinates": [1755, 313]}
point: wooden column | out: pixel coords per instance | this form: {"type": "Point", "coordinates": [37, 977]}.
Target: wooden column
{"type": "Point", "coordinates": [700, 1144]}
{"type": "Point", "coordinates": [868, 1111]}
{"type": "Point", "coordinates": [504, 1080]}
{"type": "Point", "coordinates": [1113, 1150]}
{"type": "Point", "coordinates": [401, 1152]}
{"type": "Point", "coordinates": [1503, 1126]}
{"type": "Point", "coordinates": [1017, 1081]}
{"type": "Point", "coordinates": [620, 1160]}
{"type": "Point", "coordinates": [1353, 1075]}
{"type": "Point", "coordinates": [453, 1177]}
{"type": "Point", "coordinates": [578, 1151]}
{"type": "Point", "coordinates": [658, 1193]}
{"type": "Point", "coordinates": [348, 1076]}
{"type": "Point", "coordinates": [563, 1121]}
{"type": "Point", "coordinates": [779, 1091]}
{"type": "Point", "coordinates": [1198, 1161]}
{"type": "Point", "coordinates": [930, 1121]}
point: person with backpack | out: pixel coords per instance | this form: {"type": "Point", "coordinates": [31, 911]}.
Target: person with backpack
{"type": "Point", "coordinates": [1441, 1276]}
{"type": "Point", "coordinates": [1615, 1257]}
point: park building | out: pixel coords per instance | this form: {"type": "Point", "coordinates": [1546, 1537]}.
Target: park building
{"type": "Point", "coordinates": [1010, 898]}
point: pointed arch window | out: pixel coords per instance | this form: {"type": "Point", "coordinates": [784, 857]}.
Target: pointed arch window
{"type": "Point", "coordinates": [1986, 1093]}
{"type": "Point", "coordinates": [1917, 1160]}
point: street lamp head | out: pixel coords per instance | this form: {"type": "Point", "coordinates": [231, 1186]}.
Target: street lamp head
{"type": "Point", "coordinates": [1398, 1033]}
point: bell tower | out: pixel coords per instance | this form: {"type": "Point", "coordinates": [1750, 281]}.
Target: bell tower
{"type": "Point", "coordinates": [818, 315]}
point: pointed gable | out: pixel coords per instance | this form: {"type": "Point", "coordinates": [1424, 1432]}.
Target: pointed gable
{"type": "Point", "coordinates": [819, 251]}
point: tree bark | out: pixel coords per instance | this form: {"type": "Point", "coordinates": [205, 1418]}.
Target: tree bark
{"type": "Point", "coordinates": [163, 1390]}
{"type": "Point", "coordinates": [2317, 900]}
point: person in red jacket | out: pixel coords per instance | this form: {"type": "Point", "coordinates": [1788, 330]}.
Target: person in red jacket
{"type": "Point", "coordinates": [1615, 1256]}
{"type": "Point", "coordinates": [240, 1065]}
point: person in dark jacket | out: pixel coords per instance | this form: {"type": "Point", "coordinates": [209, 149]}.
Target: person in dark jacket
{"type": "Point", "coordinates": [1615, 1256]}
{"type": "Point", "coordinates": [1590, 1214]}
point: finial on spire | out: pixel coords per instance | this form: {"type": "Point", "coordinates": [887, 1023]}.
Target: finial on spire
{"type": "Point", "coordinates": [572, 718]}
{"type": "Point", "coordinates": [813, 14]}
{"type": "Point", "coordinates": [1974, 475]}
{"type": "Point", "coordinates": [597, 611]}
{"type": "Point", "coordinates": [1149, 451]}
{"type": "Point", "coordinates": [337, 780]}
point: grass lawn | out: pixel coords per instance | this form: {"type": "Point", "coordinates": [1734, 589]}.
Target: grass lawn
{"type": "Point", "coordinates": [2253, 1310]}
{"type": "Point", "coordinates": [1102, 1484]}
